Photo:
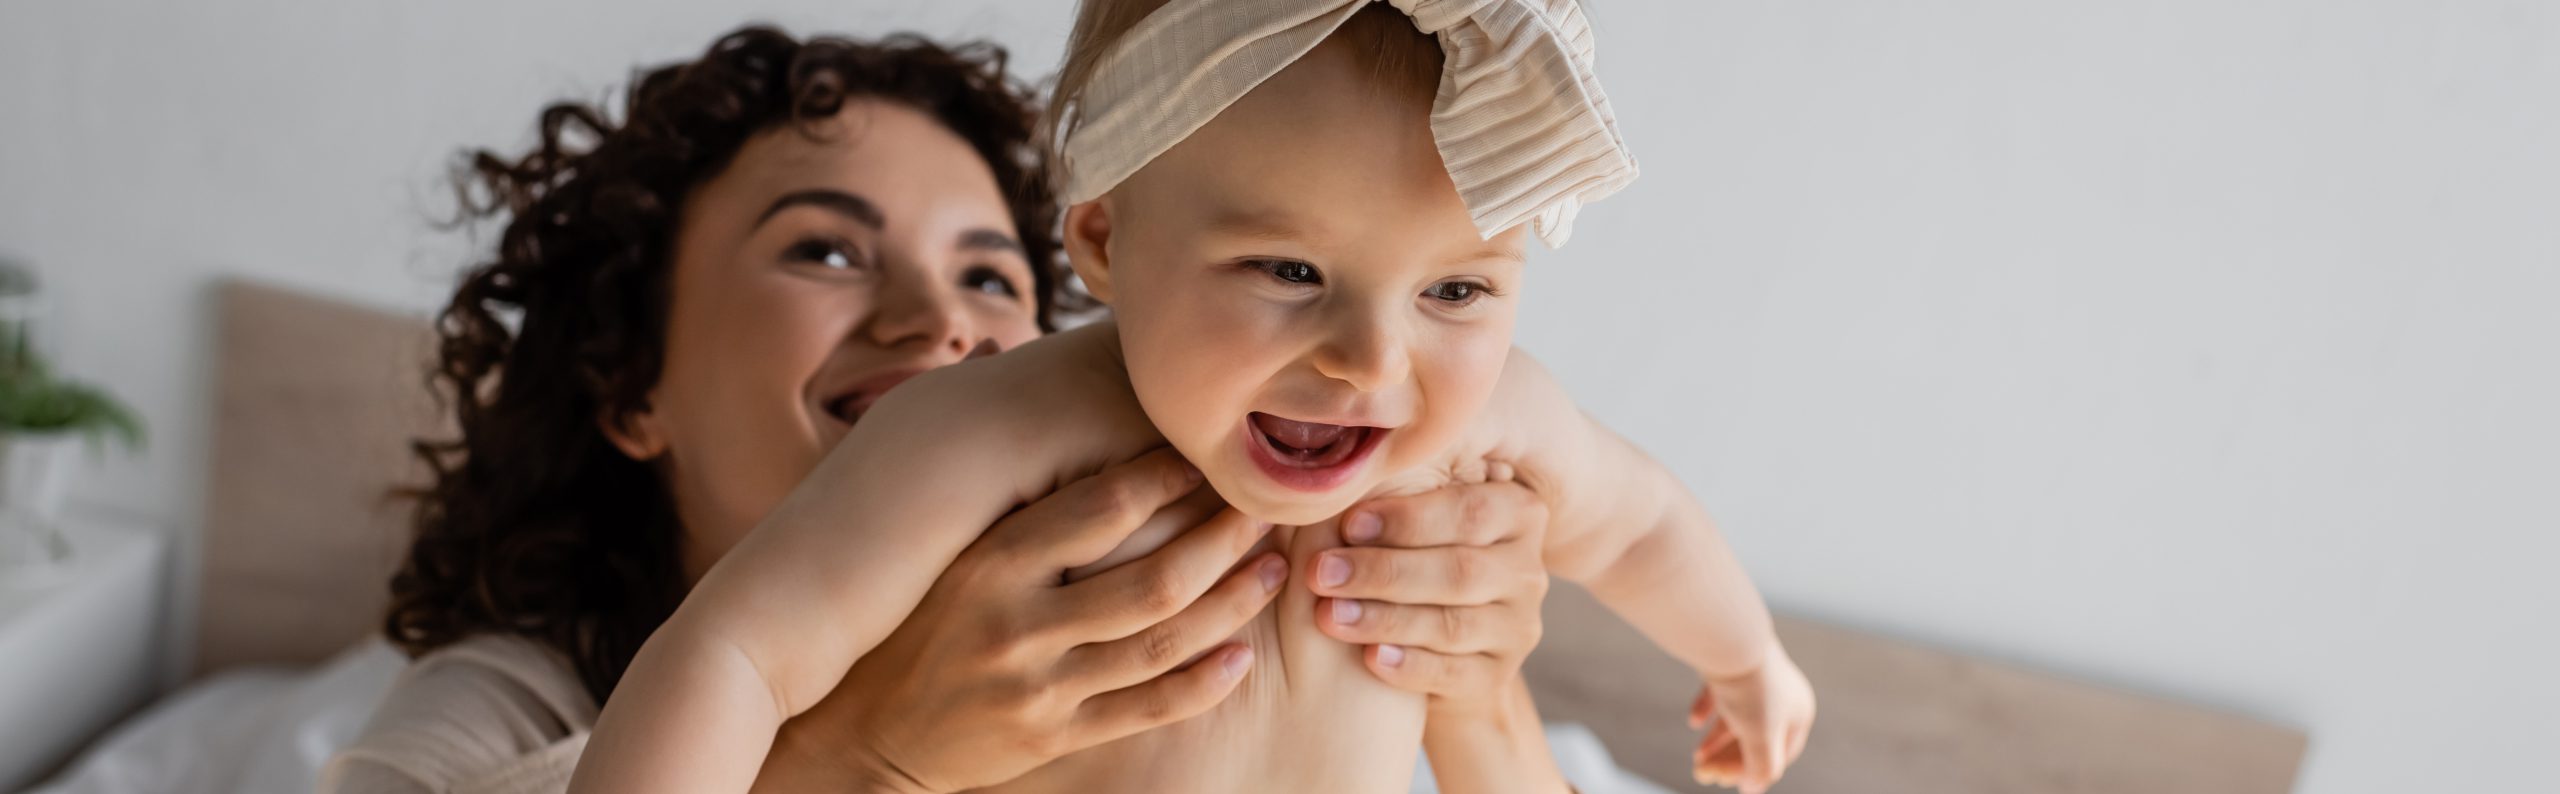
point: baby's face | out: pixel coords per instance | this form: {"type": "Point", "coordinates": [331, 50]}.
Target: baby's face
{"type": "Point", "coordinates": [1304, 304]}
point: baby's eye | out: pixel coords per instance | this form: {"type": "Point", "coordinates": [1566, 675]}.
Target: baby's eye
{"type": "Point", "coordinates": [1455, 293]}
{"type": "Point", "coordinates": [833, 254]}
{"type": "Point", "coordinates": [990, 281]}
{"type": "Point", "coordinates": [1288, 270]}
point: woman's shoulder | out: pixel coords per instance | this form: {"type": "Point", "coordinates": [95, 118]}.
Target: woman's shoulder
{"type": "Point", "coordinates": [492, 713]}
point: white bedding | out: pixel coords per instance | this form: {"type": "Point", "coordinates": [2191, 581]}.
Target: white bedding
{"type": "Point", "coordinates": [265, 731]}
{"type": "Point", "coordinates": [261, 730]}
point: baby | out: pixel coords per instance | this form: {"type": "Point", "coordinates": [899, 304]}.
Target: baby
{"type": "Point", "coordinates": [1308, 218]}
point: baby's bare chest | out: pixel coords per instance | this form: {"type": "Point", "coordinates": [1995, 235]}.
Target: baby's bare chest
{"type": "Point", "coordinates": [1307, 717]}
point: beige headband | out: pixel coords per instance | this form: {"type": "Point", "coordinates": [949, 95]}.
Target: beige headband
{"type": "Point", "coordinates": [1521, 123]}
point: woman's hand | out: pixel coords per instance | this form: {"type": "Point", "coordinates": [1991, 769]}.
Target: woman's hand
{"type": "Point", "coordinates": [1445, 586]}
{"type": "Point", "coordinates": [1002, 667]}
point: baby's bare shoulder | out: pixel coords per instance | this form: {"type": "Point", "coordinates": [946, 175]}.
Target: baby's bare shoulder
{"type": "Point", "coordinates": [1060, 405]}
{"type": "Point", "coordinates": [1529, 413]}
{"type": "Point", "coordinates": [1065, 376]}
{"type": "Point", "coordinates": [1529, 431]}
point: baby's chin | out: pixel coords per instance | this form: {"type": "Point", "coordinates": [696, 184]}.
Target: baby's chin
{"type": "Point", "coordinates": [1257, 496]}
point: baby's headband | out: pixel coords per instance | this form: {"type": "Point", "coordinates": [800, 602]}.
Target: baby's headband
{"type": "Point", "coordinates": [1520, 119]}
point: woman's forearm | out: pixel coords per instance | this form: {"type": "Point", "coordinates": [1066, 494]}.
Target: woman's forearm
{"type": "Point", "coordinates": [1494, 751]}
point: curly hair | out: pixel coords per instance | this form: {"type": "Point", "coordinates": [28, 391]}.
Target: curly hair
{"type": "Point", "coordinates": [534, 524]}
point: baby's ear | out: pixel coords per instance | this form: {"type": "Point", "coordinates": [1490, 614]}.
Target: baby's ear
{"type": "Point", "coordinates": [1088, 232]}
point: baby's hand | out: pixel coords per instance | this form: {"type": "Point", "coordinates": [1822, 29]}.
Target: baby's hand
{"type": "Point", "coordinates": [1760, 718]}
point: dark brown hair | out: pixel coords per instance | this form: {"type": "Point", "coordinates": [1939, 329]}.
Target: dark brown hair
{"type": "Point", "coordinates": [534, 524]}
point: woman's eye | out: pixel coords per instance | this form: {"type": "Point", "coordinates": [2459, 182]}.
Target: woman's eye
{"type": "Point", "coordinates": [1290, 271]}
{"type": "Point", "coordinates": [1459, 293]}
{"type": "Point", "coordinates": [990, 281]}
{"type": "Point", "coordinates": [830, 254]}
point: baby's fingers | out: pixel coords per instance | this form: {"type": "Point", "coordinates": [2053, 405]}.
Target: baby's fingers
{"type": "Point", "coordinates": [1774, 756]}
{"type": "Point", "coordinates": [1761, 763]}
{"type": "Point", "coordinates": [1716, 763]}
{"type": "Point", "coordinates": [1701, 709]}
{"type": "Point", "coordinates": [1795, 743]}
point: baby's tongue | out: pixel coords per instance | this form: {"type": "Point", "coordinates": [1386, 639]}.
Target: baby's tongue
{"type": "Point", "coordinates": [1298, 435]}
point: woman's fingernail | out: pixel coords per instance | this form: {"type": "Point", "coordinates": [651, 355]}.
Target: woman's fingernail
{"type": "Point", "coordinates": [1191, 473]}
{"type": "Point", "coordinates": [1273, 571]}
{"type": "Point", "coordinates": [1390, 656]}
{"type": "Point", "coordinates": [1332, 570]}
{"type": "Point", "coordinates": [1362, 528]}
{"type": "Point", "coordinates": [1237, 661]}
{"type": "Point", "coordinates": [1346, 611]}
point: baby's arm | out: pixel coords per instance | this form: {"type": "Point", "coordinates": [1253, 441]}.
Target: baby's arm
{"type": "Point", "coordinates": [1625, 528]}
{"type": "Point", "coordinates": [1648, 550]}
{"type": "Point", "coordinates": [1622, 526]}
{"type": "Point", "coordinates": [775, 624]}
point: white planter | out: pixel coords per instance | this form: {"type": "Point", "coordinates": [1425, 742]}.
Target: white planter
{"type": "Point", "coordinates": [36, 472]}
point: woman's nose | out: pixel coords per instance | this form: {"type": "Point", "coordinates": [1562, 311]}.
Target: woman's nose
{"type": "Point", "coordinates": [1364, 352]}
{"type": "Point", "coordinates": [915, 312]}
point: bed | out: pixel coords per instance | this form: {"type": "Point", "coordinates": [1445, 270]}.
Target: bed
{"type": "Point", "coordinates": [317, 398]}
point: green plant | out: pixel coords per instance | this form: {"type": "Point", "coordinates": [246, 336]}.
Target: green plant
{"type": "Point", "coordinates": [32, 400]}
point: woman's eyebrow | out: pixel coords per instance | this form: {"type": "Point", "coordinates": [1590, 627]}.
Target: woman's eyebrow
{"type": "Point", "coordinates": [990, 240]}
{"type": "Point", "coordinates": [860, 209]}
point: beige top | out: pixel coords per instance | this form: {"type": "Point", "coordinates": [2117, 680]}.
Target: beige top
{"type": "Point", "coordinates": [489, 715]}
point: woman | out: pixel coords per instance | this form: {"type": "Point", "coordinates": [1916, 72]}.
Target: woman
{"type": "Point", "coordinates": [689, 307]}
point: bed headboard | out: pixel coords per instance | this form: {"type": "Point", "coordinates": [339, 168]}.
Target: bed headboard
{"type": "Point", "coordinates": [1899, 717]}
{"type": "Point", "coordinates": [315, 403]}
{"type": "Point", "coordinates": [318, 400]}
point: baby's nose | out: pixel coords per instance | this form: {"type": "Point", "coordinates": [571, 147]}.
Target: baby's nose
{"type": "Point", "coordinates": [1367, 356]}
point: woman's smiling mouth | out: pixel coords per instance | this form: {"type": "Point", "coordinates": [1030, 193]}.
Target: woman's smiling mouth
{"type": "Point", "coordinates": [848, 405]}
{"type": "Point", "coordinates": [1308, 456]}
{"type": "Point", "coordinates": [849, 401]}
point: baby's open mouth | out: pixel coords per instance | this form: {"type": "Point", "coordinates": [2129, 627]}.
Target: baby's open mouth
{"type": "Point", "coordinates": [1309, 444]}
{"type": "Point", "coordinates": [1309, 456]}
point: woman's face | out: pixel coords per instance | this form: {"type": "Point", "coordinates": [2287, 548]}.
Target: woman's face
{"type": "Point", "coordinates": [811, 276]}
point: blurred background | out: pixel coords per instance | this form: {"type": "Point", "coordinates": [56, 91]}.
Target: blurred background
{"type": "Point", "coordinates": [2201, 350]}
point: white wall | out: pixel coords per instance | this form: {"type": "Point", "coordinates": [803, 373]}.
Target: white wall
{"type": "Point", "coordinates": [2206, 348]}
{"type": "Point", "coordinates": [147, 148]}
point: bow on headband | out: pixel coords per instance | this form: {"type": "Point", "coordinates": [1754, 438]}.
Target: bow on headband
{"type": "Point", "coordinates": [1519, 117]}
